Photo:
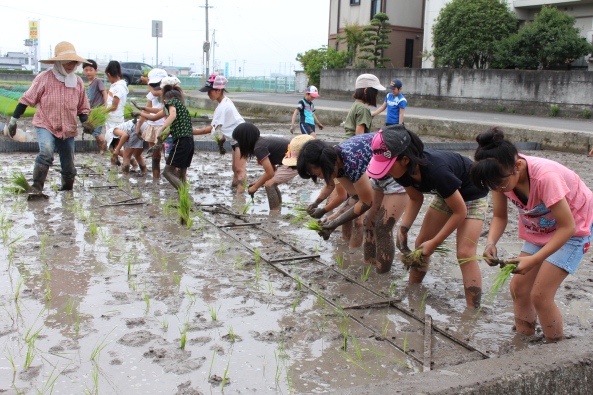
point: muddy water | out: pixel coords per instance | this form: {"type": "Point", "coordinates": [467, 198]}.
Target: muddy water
{"type": "Point", "coordinates": [99, 298]}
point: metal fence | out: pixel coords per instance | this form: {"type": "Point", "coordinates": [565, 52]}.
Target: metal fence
{"type": "Point", "coordinates": [247, 84]}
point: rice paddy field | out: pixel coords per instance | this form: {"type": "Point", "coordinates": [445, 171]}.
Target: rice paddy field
{"type": "Point", "coordinates": [103, 291]}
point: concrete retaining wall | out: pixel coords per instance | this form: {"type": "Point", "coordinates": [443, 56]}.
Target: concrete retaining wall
{"type": "Point", "coordinates": [553, 139]}
{"type": "Point", "coordinates": [520, 91]}
{"type": "Point", "coordinates": [554, 369]}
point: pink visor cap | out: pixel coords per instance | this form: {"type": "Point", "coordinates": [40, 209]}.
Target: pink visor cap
{"type": "Point", "coordinates": [214, 82]}
{"type": "Point", "coordinates": [387, 145]}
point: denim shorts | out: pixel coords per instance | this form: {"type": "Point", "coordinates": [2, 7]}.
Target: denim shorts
{"type": "Point", "coordinates": [476, 209]}
{"type": "Point", "coordinates": [569, 256]}
{"type": "Point", "coordinates": [388, 185]}
{"type": "Point", "coordinates": [97, 131]}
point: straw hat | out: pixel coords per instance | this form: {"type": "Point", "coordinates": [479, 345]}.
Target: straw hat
{"type": "Point", "coordinates": [290, 159]}
{"type": "Point", "coordinates": [65, 52]}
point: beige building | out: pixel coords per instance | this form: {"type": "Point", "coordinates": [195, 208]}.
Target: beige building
{"type": "Point", "coordinates": [406, 20]}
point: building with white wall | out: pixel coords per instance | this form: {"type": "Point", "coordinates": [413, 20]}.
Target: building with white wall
{"type": "Point", "coordinates": [526, 10]}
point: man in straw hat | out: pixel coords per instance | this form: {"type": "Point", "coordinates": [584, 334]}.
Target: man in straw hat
{"type": "Point", "coordinates": [60, 97]}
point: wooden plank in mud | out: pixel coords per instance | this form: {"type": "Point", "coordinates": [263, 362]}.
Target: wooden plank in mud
{"type": "Point", "coordinates": [294, 258]}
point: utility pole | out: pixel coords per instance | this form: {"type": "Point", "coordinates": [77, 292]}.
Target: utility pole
{"type": "Point", "coordinates": [243, 67]}
{"type": "Point", "coordinates": [206, 47]}
{"type": "Point", "coordinates": [213, 49]}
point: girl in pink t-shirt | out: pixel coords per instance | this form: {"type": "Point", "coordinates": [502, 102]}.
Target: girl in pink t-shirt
{"type": "Point", "coordinates": [555, 221]}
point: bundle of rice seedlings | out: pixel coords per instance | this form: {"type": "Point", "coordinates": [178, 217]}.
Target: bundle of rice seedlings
{"type": "Point", "coordinates": [298, 217]}
{"type": "Point", "coordinates": [247, 206]}
{"type": "Point", "coordinates": [217, 138]}
{"type": "Point", "coordinates": [128, 109]}
{"type": "Point", "coordinates": [98, 116]}
{"type": "Point", "coordinates": [415, 258]}
{"type": "Point", "coordinates": [499, 281]}
{"type": "Point", "coordinates": [184, 208]}
{"type": "Point", "coordinates": [18, 183]}
{"type": "Point", "coordinates": [313, 224]}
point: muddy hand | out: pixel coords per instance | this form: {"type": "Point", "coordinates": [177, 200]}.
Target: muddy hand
{"type": "Point", "coordinates": [328, 228]}
{"type": "Point", "coordinates": [491, 255]}
{"type": "Point", "coordinates": [87, 128]}
{"type": "Point", "coordinates": [401, 240]}
{"type": "Point", "coordinates": [157, 147]}
{"type": "Point", "coordinates": [292, 129]}
{"type": "Point", "coordinates": [318, 213]}
{"type": "Point", "coordinates": [137, 106]}
{"type": "Point", "coordinates": [311, 208]}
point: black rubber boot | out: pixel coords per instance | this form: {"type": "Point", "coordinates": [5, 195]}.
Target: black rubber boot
{"type": "Point", "coordinates": [39, 175]}
{"type": "Point", "coordinates": [67, 183]}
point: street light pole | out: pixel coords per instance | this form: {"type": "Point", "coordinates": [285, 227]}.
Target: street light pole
{"type": "Point", "coordinates": [206, 47]}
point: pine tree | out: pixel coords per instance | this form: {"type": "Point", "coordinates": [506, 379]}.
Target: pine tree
{"type": "Point", "coordinates": [376, 35]}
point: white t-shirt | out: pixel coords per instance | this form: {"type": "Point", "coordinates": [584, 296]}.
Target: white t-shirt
{"type": "Point", "coordinates": [118, 89]}
{"type": "Point", "coordinates": [156, 103]}
{"type": "Point", "coordinates": [227, 118]}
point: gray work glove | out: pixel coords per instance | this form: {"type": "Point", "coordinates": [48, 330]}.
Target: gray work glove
{"type": "Point", "coordinates": [10, 128]}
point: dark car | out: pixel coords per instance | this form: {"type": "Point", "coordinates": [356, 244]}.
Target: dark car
{"type": "Point", "coordinates": [132, 71]}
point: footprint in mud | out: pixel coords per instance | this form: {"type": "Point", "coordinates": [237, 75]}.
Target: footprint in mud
{"type": "Point", "coordinates": [174, 360]}
{"type": "Point", "coordinates": [186, 389]}
{"type": "Point", "coordinates": [200, 340]}
{"type": "Point", "coordinates": [30, 373]}
{"type": "Point", "coordinates": [137, 339]}
{"type": "Point", "coordinates": [274, 336]}
{"type": "Point", "coordinates": [242, 312]}
{"type": "Point", "coordinates": [130, 322]}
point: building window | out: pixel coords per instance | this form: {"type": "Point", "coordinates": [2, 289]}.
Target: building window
{"type": "Point", "coordinates": [375, 7]}
{"type": "Point", "coordinates": [354, 2]}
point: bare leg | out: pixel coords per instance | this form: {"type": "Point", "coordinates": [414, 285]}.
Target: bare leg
{"type": "Point", "coordinates": [391, 210]}
{"type": "Point", "coordinates": [521, 291]}
{"type": "Point", "coordinates": [544, 289]}
{"type": "Point", "coordinates": [468, 234]}
{"type": "Point", "coordinates": [171, 176]}
{"type": "Point", "coordinates": [370, 245]}
{"type": "Point", "coordinates": [101, 143]}
{"type": "Point", "coordinates": [126, 162]}
{"type": "Point", "coordinates": [239, 170]}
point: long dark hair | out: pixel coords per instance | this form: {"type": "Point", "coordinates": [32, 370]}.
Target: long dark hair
{"type": "Point", "coordinates": [114, 69]}
{"type": "Point", "coordinates": [414, 152]}
{"type": "Point", "coordinates": [246, 135]}
{"type": "Point", "coordinates": [494, 158]}
{"type": "Point", "coordinates": [367, 95]}
{"type": "Point", "coordinates": [170, 92]}
{"type": "Point", "coordinates": [319, 154]}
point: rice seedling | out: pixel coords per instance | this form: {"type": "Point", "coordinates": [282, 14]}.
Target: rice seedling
{"type": "Point", "coordinates": [18, 183]}
{"type": "Point", "coordinates": [146, 299]}
{"type": "Point", "coordinates": [165, 323]}
{"type": "Point", "coordinates": [183, 338]}
{"type": "Point", "coordinates": [295, 303]}
{"type": "Point", "coordinates": [461, 261]}
{"type": "Point", "coordinates": [313, 224]}
{"type": "Point", "coordinates": [5, 226]}
{"type": "Point", "coordinates": [364, 273]}
{"type": "Point", "coordinates": [31, 351]}
{"type": "Point", "coordinates": [232, 334]}
{"type": "Point", "coordinates": [225, 376]}
{"type": "Point", "coordinates": [499, 281]}
{"type": "Point", "coordinates": [96, 353]}
{"type": "Point", "coordinates": [98, 116]}
{"type": "Point", "coordinates": [247, 206]}
{"type": "Point", "coordinates": [48, 386]}
{"type": "Point", "coordinates": [278, 368]}
{"type": "Point", "coordinates": [76, 325]}
{"type": "Point", "coordinates": [298, 217]}
{"type": "Point", "coordinates": [289, 379]}
{"type": "Point", "coordinates": [239, 262]}
{"type": "Point", "coordinates": [357, 348]}
{"type": "Point", "coordinates": [213, 312]}
{"type": "Point", "coordinates": [245, 184]}
{"type": "Point", "coordinates": [212, 363]}
{"type": "Point", "coordinates": [128, 109]}
{"type": "Point", "coordinates": [423, 303]}
{"type": "Point", "coordinates": [270, 288]}
{"type": "Point", "coordinates": [190, 296]}
{"type": "Point", "coordinates": [221, 250]}
{"type": "Point", "coordinates": [217, 137]}
{"type": "Point", "coordinates": [416, 259]}
{"type": "Point", "coordinates": [95, 376]}
{"type": "Point", "coordinates": [298, 281]}
{"type": "Point", "coordinates": [47, 294]}
{"type": "Point", "coordinates": [256, 256]}
{"type": "Point", "coordinates": [43, 244]}
{"type": "Point", "coordinates": [357, 363]}
{"type": "Point", "coordinates": [17, 289]}
{"type": "Point", "coordinates": [344, 325]}
{"type": "Point", "coordinates": [385, 327]}
{"type": "Point", "coordinates": [405, 346]}
{"type": "Point", "coordinates": [11, 360]}
{"type": "Point", "coordinates": [70, 306]}
{"type": "Point", "coordinates": [93, 228]}
{"type": "Point", "coordinates": [176, 278]}
{"type": "Point", "coordinates": [184, 209]}
{"type": "Point", "coordinates": [316, 248]}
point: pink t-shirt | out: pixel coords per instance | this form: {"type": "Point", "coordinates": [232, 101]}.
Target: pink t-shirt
{"type": "Point", "coordinates": [549, 182]}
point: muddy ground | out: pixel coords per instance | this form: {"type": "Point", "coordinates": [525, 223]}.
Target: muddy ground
{"type": "Point", "coordinates": [99, 299]}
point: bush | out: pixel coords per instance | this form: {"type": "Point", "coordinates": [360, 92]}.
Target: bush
{"type": "Point", "coordinates": [554, 110]}
{"type": "Point", "coordinates": [586, 114]}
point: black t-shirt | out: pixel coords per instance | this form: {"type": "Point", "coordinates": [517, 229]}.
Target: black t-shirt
{"type": "Point", "coordinates": [273, 148]}
{"type": "Point", "coordinates": [445, 173]}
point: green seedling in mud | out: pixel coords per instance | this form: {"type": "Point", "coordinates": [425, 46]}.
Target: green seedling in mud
{"type": "Point", "coordinates": [43, 244]}
{"type": "Point", "coordinates": [146, 299]}
{"type": "Point", "coordinates": [289, 379]}
{"type": "Point", "coordinates": [232, 335]}
{"type": "Point", "coordinates": [221, 250]}
{"type": "Point", "coordinates": [176, 278]}
{"type": "Point", "coordinates": [316, 249]}
{"type": "Point", "coordinates": [31, 351]}
{"type": "Point", "coordinates": [270, 288]}
{"type": "Point", "coordinates": [239, 263]}
{"type": "Point", "coordinates": [357, 348]}
{"type": "Point", "coordinates": [385, 327]}
{"type": "Point", "coordinates": [256, 256]}
{"type": "Point", "coordinates": [247, 206]}
{"type": "Point", "coordinates": [278, 369]}
{"type": "Point", "coordinates": [213, 312]}
{"type": "Point", "coordinates": [98, 116]}
{"type": "Point", "coordinates": [190, 296]}
{"type": "Point", "coordinates": [225, 377]}
{"type": "Point", "coordinates": [395, 284]}
{"type": "Point", "coordinates": [344, 325]}
{"type": "Point", "coordinates": [245, 184]}
{"type": "Point", "coordinates": [298, 282]}
{"type": "Point", "coordinates": [168, 207]}
{"type": "Point", "coordinates": [18, 183]}
{"type": "Point", "coordinates": [47, 294]}
{"type": "Point", "coordinates": [212, 363]}
{"type": "Point", "coordinates": [461, 261]}
{"type": "Point", "coordinates": [416, 259]}
{"type": "Point", "coordinates": [313, 224]}
{"type": "Point", "coordinates": [364, 273]}
{"type": "Point", "coordinates": [133, 285]}
{"type": "Point", "coordinates": [298, 217]}
{"type": "Point", "coordinates": [340, 261]}
{"type": "Point", "coordinates": [48, 386]}
{"type": "Point", "coordinates": [349, 358]}
{"type": "Point", "coordinates": [5, 226]}
{"type": "Point", "coordinates": [70, 306]}
{"type": "Point", "coordinates": [382, 355]}
{"type": "Point", "coordinates": [183, 338]}
{"type": "Point", "coordinates": [95, 376]}
{"type": "Point", "coordinates": [11, 360]}
{"type": "Point", "coordinates": [17, 289]}
{"type": "Point", "coordinates": [99, 347]}
{"type": "Point", "coordinates": [93, 228]}
{"type": "Point", "coordinates": [405, 346]}
{"type": "Point", "coordinates": [76, 325]}
{"type": "Point", "coordinates": [499, 281]}
{"type": "Point", "coordinates": [165, 323]}
{"type": "Point", "coordinates": [423, 303]}
{"type": "Point", "coordinates": [295, 303]}
{"type": "Point", "coordinates": [184, 209]}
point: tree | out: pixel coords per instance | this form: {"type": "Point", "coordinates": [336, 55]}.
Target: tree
{"type": "Point", "coordinates": [550, 40]}
{"type": "Point", "coordinates": [466, 31]}
{"type": "Point", "coordinates": [354, 37]}
{"type": "Point", "coordinates": [376, 35]}
{"type": "Point", "coordinates": [315, 60]}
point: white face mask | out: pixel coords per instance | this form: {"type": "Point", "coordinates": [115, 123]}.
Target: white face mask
{"type": "Point", "coordinates": [69, 79]}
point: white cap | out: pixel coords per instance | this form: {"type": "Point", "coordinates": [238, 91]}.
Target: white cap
{"type": "Point", "coordinates": [156, 75]}
{"type": "Point", "coordinates": [312, 90]}
{"type": "Point", "coordinates": [369, 81]}
{"type": "Point", "coordinates": [173, 81]}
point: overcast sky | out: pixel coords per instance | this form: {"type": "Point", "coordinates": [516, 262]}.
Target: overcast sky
{"type": "Point", "coordinates": [261, 36]}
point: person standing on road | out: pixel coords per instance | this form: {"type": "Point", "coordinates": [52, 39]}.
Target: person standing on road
{"type": "Point", "coordinates": [226, 118]}
{"type": "Point", "coordinates": [97, 97]}
{"type": "Point", "coordinates": [60, 97]}
{"type": "Point", "coordinates": [395, 103]}
{"type": "Point", "coordinates": [306, 112]}
{"type": "Point", "coordinates": [555, 210]}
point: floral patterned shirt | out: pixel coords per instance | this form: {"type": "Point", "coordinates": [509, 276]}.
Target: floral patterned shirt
{"type": "Point", "coordinates": [356, 154]}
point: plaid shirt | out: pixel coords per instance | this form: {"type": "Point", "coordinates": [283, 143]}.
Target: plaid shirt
{"type": "Point", "coordinates": [57, 106]}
